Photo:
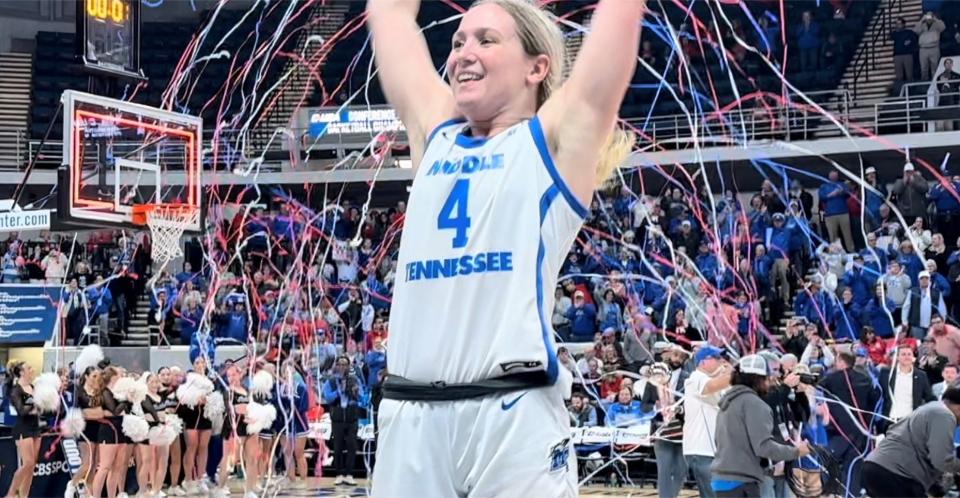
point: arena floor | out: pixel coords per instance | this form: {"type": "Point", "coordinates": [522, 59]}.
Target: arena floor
{"type": "Point", "coordinates": [325, 488]}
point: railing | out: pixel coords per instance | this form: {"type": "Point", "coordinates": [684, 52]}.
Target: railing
{"type": "Point", "coordinates": [865, 59]}
{"type": "Point", "coordinates": [739, 126]}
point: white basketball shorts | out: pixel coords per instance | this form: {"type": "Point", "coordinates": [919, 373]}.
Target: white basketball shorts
{"type": "Point", "coordinates": [511, 445]}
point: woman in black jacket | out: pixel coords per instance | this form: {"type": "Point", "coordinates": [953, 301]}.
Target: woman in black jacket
{"type": "Point", "coordinates": [26, 430]}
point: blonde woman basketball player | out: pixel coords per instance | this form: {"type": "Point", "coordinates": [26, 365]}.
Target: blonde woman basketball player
{"type": "Point", "coordinates": [507, 159]}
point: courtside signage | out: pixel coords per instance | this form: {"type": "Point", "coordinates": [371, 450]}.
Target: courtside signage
{"type": "Point", "coordinates": [16, 221]}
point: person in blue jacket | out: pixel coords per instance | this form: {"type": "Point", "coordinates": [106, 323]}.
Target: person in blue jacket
{"type": "Point", "coordinates": [878, 313]}
{"type": "Point", "coordinates": [234, 324]}
{"type": "Point", "coordinates": [910, 261]}
{"type": "Point", "coordinates": [342, 392]}
{"type": "Point", "coordinates": [189, 319]}
{"type": "Point", "coordinates": [375, 361]}
{"type": "Point", "coordinates": [626, 411]}
{"type": "Point", "coordinates": [944, 195]}
{"type": "Point", "coordinates": [845, 318]}
{"type": "Point", "coordinates": [856, 279]}
{"type": "Point", "coordinates": [814, 303]}
{"type": "Point", "coordinates": [583, 318]}
{"type": "Point", "coordinates": [833, 195]}
{"type": "Point", "coordinates": [762, 266]}
{"type": "Point", "coordinates": [938, 281]}
{"type": "Point", "coordinates": [873, 200]}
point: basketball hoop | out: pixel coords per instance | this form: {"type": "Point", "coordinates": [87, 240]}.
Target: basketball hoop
{"type": "Point", "coordinates": [167, 223]}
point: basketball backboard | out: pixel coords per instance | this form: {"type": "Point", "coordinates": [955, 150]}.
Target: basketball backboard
{"type": "Point", "coordinates": [118, 154]}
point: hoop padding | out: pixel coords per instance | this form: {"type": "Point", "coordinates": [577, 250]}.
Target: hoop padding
{"type": "Point", "coordinates": [167, 223]}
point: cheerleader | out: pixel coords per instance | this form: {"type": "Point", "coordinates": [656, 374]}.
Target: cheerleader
{"type": "Point", "coordinates": [89, 399]}
{"type": "Point", "coordinates": [294, 405]}
{"type": "Point", "coordinates": [235, 399]}
{"type": "Point", "coordinates": [114, 451]}
{"type": "Point", "coordinates": [197, 431]}
{"type": "Point", "coordinates": [26, 430]}
{"type": "Point", "coordinates": [269, 435]}
{"type": "Point", "coordinates": [152, 465]}
{"type": "Point", "coordinates": [170, 379]}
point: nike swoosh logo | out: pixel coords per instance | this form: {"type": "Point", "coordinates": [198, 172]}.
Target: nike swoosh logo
{"type": "Point", "coordinates": [506, 406]}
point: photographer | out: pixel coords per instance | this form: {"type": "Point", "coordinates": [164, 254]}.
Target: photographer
{"type": "Point", "coordinates": [341, 394]}
{"type": "Point", "coordinates": [789, 406]}
{"type": "Point", "coordinates": [745, 429]}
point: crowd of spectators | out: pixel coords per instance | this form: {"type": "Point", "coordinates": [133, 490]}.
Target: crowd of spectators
{"type": "Point", "coordinates": [822, 278]}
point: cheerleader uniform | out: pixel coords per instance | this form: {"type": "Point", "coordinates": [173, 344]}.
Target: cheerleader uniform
{"type": "Point", "coordinates": [276, 427]}
{"type": "Point", "coordinates": [91, 431]}
{"type": "Point", "coordinates": [193, 418]}
{"type": "Point", "coordinates": [293, 414]}
{"type": "Point", "coordinates": [28, 418]}
{"type": "Point", "coordinates": [150, 408]}
{"type": "Point", "coordinates": [233, 421]}
{"type": "Point", "coordinates": [111, 430]}
{"type": "Point", "coordinates": [168, 402]}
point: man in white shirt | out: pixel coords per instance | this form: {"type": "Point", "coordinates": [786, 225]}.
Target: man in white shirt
{"type": "Point", "coordinates": [904, 388]}
{"type": "Point", "coordinates": [700, 407]}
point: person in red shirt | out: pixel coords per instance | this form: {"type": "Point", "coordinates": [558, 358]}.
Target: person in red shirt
{"type": "Point", "coordinates": [378, 331]}
{"type": "Point", "coordinates": [902, 339]}
{"type": "Point", "coordinates": [875, 346]}
{"type": "Point", "coordinates": [610, 386]}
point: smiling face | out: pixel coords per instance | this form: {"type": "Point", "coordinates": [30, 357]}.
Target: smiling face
{"type": "Point", "coordinates": [491, 72]}
{"type": "Point", "coordinates": [164, 376]}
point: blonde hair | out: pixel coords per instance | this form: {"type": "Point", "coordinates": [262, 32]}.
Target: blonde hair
{"type": "Point", "coordinates": [539, 35]}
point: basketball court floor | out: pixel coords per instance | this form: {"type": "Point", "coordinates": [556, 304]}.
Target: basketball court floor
{"type": "Point", "coordinates": [325, 488]}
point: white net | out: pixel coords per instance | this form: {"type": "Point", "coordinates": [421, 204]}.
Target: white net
{"type": "Point", "coordinates": [167, 223]}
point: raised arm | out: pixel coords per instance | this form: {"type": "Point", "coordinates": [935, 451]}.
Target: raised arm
{"type": "Point", "coordinates": [593, 93]}
{"type": "Point", "coordinates": [409, 80]}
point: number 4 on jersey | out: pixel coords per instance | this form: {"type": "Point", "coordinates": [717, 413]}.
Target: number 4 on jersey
{"type": "Point", "coordinates": [453, 214]}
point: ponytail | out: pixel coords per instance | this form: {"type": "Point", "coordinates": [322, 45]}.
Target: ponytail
{"type": "Point", "coordinates": [617, 148]}
{"type": "Point", "coordinates": [14, 369]}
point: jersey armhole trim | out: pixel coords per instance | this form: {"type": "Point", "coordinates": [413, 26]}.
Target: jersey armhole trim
{"type": "Point", "coordinates": [536, 130]}
{"type": "Point", "coordinates": [440, 127]}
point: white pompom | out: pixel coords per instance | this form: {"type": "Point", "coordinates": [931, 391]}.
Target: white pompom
{"type": "Point", "coordinates": [161, 435]}
{"type": "Point", "coordinates": [262, 383]}
{"type": "Point", "coordinates": [73, 423]}
{"type": "Point", "coordinates": [90, 356]}
{"type": "Point", "coordinates": [46, 398]}
{"type": "Point", "coordinates": [175, 424]}
{"type": "Point", "coordinates": [48, 379]}
{"type": "Point", "coordinates": [213, 409]}
{"type": "Point", "coordinates": [137, 393]}
{"type": "Point", "coordinates": [259, 417]}
{"type": "Point", "coordinates": [195, 388]}
{"type": "Point", "coordinates": [136, 428]}
{"type": "Point", "coordinates": [129, 389]}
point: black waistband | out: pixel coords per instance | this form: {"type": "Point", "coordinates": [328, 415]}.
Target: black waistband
{"type": "Point", "coordinates": [399, 388]}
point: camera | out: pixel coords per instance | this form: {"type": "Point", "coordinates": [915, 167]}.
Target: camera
{"type": "Point", "coordinates": [809, 379]}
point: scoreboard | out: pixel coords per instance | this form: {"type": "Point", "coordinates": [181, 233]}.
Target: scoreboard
{"type": "Point", "coordinates": [108, 36]}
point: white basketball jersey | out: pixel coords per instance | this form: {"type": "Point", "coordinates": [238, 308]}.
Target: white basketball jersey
{"type": "Point", "coordinates": [487, 226]}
